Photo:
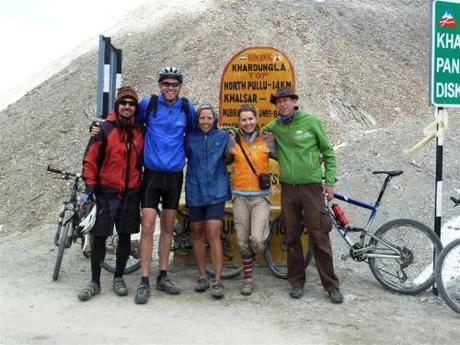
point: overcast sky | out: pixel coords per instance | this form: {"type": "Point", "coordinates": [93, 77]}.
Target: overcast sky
{"type": "Point", "coordinates": [37, 32]}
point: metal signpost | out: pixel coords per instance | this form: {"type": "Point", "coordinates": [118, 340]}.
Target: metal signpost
{"type": "Point", "coordinates": [444, 82]}
{"type": "Point", "coordinates": [108, 76]}
{"type": "Point", "coordinates": [445, 78]}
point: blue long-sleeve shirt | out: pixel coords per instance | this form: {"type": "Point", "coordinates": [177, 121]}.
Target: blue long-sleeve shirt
{"type": "Point", "coordinates": [164, 136]}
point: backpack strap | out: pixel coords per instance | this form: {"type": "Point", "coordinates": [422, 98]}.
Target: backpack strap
{"type": "Point", "coordinates": [106, 127]}
{"type": "Point", "coordinates": [185, 107]}
{"type": "Point", "coordinates": [153, 106]}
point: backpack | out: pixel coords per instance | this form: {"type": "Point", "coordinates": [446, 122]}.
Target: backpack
{"type": "Point", "coordinates": [153, 105]}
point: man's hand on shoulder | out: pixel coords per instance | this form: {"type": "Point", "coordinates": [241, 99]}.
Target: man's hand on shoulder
{"type": "Point", "coordinates": [94, 129]}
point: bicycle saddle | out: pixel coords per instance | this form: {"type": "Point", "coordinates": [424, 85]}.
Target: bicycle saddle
{"type": "Point", "coordinates": [389, 173]}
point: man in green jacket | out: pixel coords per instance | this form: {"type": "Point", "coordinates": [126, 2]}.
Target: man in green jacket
{"type": "Point", "coordinates": [301, 144]}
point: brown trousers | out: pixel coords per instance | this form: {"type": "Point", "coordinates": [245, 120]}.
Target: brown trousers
{"type": "Point", "coordinates": [307, 201]}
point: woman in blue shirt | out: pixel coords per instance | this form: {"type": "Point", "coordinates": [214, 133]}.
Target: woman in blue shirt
{"type": "Point", "coordinates": [207, 188]}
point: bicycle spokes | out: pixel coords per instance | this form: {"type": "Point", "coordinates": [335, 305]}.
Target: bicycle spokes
{"type": "Point", "coordinates": [402, 256]}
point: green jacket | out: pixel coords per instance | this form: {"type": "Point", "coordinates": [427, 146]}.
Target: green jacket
{"type": "Point", "coordinates": [300, 145]}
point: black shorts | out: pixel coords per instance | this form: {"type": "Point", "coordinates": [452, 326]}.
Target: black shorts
{"type": "Point", "coordinates": [124, 213]}
{"type": "Point", "coordinates": [200, 213]}
{"type": "Point", "coordinates": [164, 187]}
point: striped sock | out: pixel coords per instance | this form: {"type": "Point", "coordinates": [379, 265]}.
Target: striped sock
{"type": "Point", "coordinates": [247, 267]}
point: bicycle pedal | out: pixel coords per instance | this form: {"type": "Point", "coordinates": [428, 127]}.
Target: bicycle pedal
{"type": "Point", "coordinates": [345, 257]}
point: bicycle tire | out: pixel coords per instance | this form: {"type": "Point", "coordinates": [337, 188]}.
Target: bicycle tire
{"type": "Point", "coordinates": [58, 230]}
{"type": "Point", "coordinates": [449, 285]}
{"type": "Point", "coordinates": [64, 230]}
{"type": "Point", "coordinates": [411, 273]}
{"type": "Point", "coordinates": [109, 263]}
{"type": "Point", "coordinates": [279, 270]}
{"type": "Point", "coordinates": [231, 269]}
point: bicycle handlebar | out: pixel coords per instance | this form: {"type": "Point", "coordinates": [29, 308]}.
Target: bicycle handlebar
{"type": "Point", "coordinates": [54, 170]}
{"type": "Point", "coordinates": [64, 173]}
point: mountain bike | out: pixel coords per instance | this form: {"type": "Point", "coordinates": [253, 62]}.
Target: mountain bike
{"type": "Point", "coordinates": [398, 252]}
{"type": "Point", "coordinates": [447, 272]}
{"type": "Point", "coordinates": [182, 243]}
{"type": "Point", "coordinates": [68, 230]}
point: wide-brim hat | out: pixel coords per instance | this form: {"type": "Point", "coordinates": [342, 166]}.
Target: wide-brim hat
{"type": "Point", "coordinates": [284, 91]}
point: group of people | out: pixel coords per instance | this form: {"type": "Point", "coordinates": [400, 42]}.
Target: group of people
{"type": "Point", "coordinates": [124, 168]}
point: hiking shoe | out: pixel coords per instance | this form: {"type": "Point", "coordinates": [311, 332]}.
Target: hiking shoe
{"type": "Point", "coordinates": [217, 290]}
{"type": "Point", "coordinates": [91, 289]}
{"type": "Point", "coordinates": [296, 292]}
{"type": "Point", "coordinates": [142, 293]}
{"type": "Point", "coordinates": [336, 296]}
{"type": "Point", "coordinates": [119, 286]}
{"type": "Point", "coordinates": [247, 288]}
{"type": "Point", "coordinates": [202, 284]}
{"type": "Point", "coordinates": [165, 284]}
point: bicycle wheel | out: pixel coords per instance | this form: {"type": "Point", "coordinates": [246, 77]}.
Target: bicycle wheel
{"type": "Point", "coordinates": [448, 275]}
{"type": "Point", "coordinates": [134, 259]}
{"type": "Point", "coordinates": [276, 251]}
{"type": "Point", "coordinates": [232, 267]}
{"type": "Point", "coordinates": [59, 227]}
{"type": "Point", "coordinates": [62, 241]}
{"type": "Point", "coordinates": [410, 272]}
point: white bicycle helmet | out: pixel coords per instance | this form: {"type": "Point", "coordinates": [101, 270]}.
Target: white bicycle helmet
{"type": "Point", "coordinates": [87, 216]}
{"type": "Point", "coordinates": [170, 72]}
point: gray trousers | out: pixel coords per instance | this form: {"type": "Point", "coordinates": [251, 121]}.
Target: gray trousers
{"type": "Point", "coordinates": [250, 214]}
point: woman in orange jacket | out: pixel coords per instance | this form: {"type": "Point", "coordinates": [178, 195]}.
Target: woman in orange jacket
{"type": "Point", "coordinates": [251, 205]}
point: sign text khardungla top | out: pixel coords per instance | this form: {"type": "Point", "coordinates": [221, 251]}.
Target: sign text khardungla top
{"type": "Point", "coordinates": [251, 76]}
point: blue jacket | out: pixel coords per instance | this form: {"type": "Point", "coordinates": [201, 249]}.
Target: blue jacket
{"type": "Point", "coordinates": [164, 137]}
{"type": "Point", "coordinates": [206, 181]}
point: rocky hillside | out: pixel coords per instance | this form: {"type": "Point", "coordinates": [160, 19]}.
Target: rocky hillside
{"type": "Point", "coordinates": [362, 66]}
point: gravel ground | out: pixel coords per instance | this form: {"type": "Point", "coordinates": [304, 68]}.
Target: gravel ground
{"type": "Point", "coordinates": [36, 310]}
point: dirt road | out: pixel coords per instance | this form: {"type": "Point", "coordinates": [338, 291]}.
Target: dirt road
{"type": "Point", "coordinates": [36, 310]}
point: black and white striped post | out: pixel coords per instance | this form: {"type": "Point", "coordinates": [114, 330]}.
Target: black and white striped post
{"type": "Point", "coordinates": [108, 76]}
{"type": "Point", "coordinates": [438, 186]}
{"type": "Point", "coordinates": [118, 70]}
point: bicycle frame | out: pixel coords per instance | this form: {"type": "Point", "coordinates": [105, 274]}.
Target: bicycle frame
{"type": "Point", "coordinates": [344, 231]}
{"type": "Point", "coordinates": [71, 206]}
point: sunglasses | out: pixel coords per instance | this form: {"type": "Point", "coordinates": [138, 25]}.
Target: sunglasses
{"type": "Point", "coordinates": [172, 85]}
{"type": "Point", "coordinates": [128, 102]}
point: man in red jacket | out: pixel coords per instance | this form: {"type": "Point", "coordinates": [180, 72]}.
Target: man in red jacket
{"type": "Point", "coordinates": [112, 171]}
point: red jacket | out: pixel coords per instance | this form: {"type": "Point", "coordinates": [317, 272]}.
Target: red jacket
{"type": "Point", "coordinates": [112, 161]}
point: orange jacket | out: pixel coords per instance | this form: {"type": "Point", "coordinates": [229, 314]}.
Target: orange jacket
{"type": "Point", "coordinates": [243, 178]}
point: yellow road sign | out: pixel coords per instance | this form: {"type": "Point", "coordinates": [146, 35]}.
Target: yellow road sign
{"type": "Point", "coordinates": [251, 76]}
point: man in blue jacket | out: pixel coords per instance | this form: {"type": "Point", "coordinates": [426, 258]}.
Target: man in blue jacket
{"type": "Point", "coordinates": [164, 159]}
